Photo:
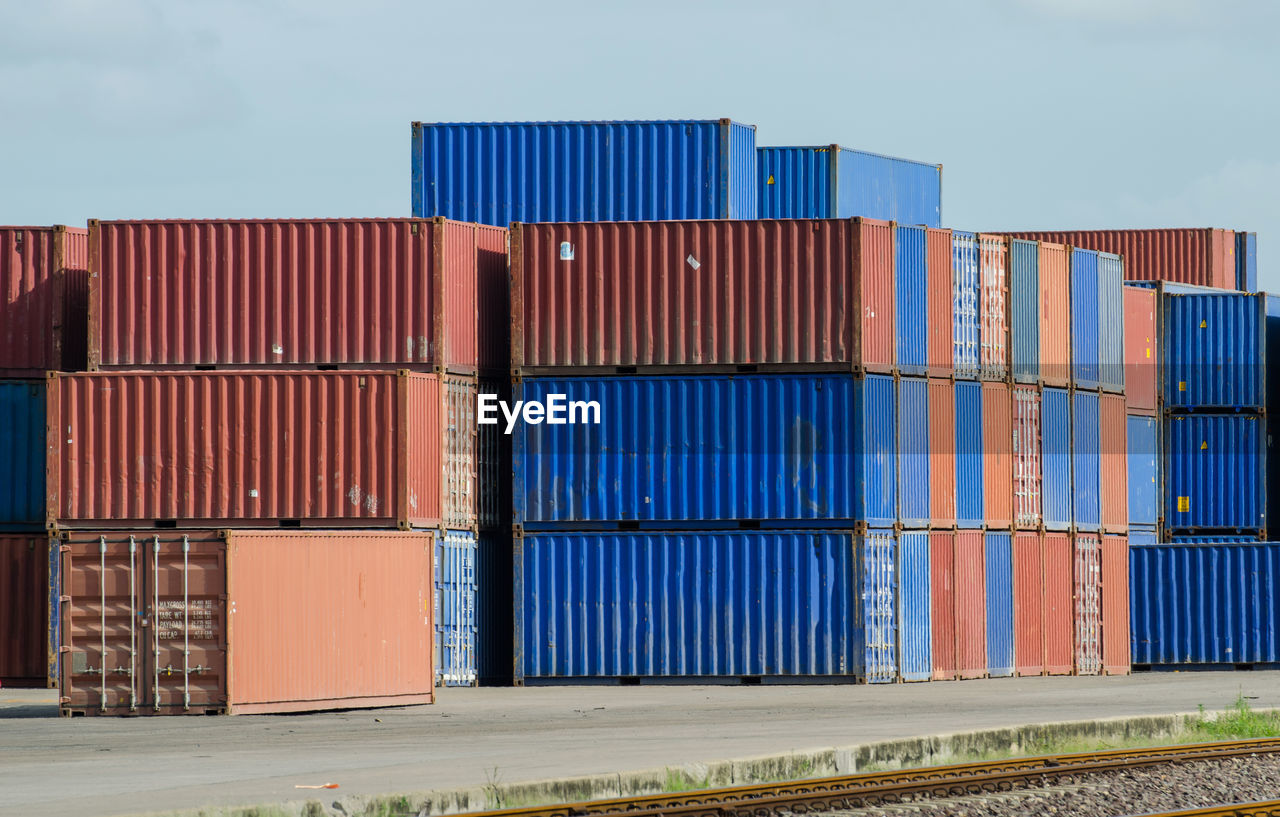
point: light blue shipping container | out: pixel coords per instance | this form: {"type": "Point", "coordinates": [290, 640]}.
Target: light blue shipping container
{"type": "Point", "coordinates": [636, 604]}
{"type": "Point", "coordinates": [1143, 536]}
{"type": "Point", "coordinates": [1024, 309]}
{"type": "Point", "coordinates": [1247, 261]}
{"type": "Point", "coordinates": [969, 455]}
{"type": "Point", "coordinates": [22, 455]}
{"type": "Point", "coordinates": [911, 289]}
{"type": "Point", "coordinates": [494, 647]}
{"type": "Point", "coordinates": [1086, 462]}
{"type": "Point", "coordinates": [1085, 321]}
{"type": "Point", "coordinates": [455, 602]}
{"type": "Point", "coordinates": [1110, 322]}
{"type": "Point", "coordinates": [830, 181]}
{"type": "Point", "coordinates": [1214, 351]}
{"type": "Point", "coordinates": [500, 172]}
{"type": "Point", "coordinates": [1143, 434]}
{"type": "Point", "coordinates": [999, 578]}
{"type": "Point", "coordinates": [913, 452]}
{"type": "Point", "coordinates": [1055, 458]}
{"type": "Point", "coordinates": [1215, 472]}
{"type": "Point", "coordinates": [965, 318]}
{"type": "Point", "coordinates": [915, 633]}
{"type": "Point", "coordinates": [700, 449]}
{"type": "Point", "coordinates": [1205, 604]}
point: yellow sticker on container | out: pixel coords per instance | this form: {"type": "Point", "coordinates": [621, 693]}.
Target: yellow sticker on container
{"type": "Point", "coordinates": [770, 179]}
{"type": "Point", "coordinates": [1148, 353]}
{"type": "Point", "coordinates": [1204, 324]}
{"type": "Point", "coordinates": [1204, 445]}
{"type": "Point", "coordinates": [1182, 385]}
{"type": "Point", "coordinates": [1184, 504]}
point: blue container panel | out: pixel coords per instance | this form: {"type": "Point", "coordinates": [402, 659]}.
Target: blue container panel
{"type": "Point", "coordinates": [499, 172]}
{"type": "Point", "coordinates": [914, 630]}
{"type": "Point", "coordinates": [1143, 536]}
{"type": "Point", "coordinates": [1085, 321]}
{"type": "Point", "coordinates": [965, 319]}
{"type": "Point", "coordinates": [1205, 604]}
{"type": "Point", "coordinates": [1144, 470]}
{"type": "Point", "coordinates": [1247, 261]}
{"type": "Point", "coordinates": [1110, 322]}
{"type": "Point", "coordinates": [1273, 403]}
{"type": "Point", "coordinates": [1215, 471]}
{"type": "Point", "coordinates": [911, 290]}
{"type": "Point", "coordinates": [875, 186]}
{"type": "Point", "coordinates": [1086, 461]}
{"type": "Point", "coordinates": [795, 182]}
{"type": "Point", "coordinates": [1055, 458]}
{"type": "Point", "coordinates": [1212, 540]}
{"type": "Point", "coordinates": [999, 577]}
{"type": "Point", "coordinates": [969, 455]}
{"type": "Point", "coordinates": [494, 646]}
{"type": "Point", "coordinates": [455, 601]}
{"type": "Point", "coordinates": [1214, 350]}
{"type": "Point", "coordinates": [22, 454]}
{"type": "Point", "coordinates": [1024, 309]}
{"type": "Point", "coordinates": [913, 451]}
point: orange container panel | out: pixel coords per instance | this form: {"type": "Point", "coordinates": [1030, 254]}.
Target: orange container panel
{"type": "Point", "coordinates": [1059, 633]}
{"type": "Point", "coordinates": [1114, 486]}
{"type": "Point", "coordinates": [942, 453]}
{"type": "Point", "coordinates": [1055, 315]}
{"type": "Point", "coordinates": [997, 444]}
{"type": "Point", "coordinates": [971, 604]}
{"type": "Point", "coordinates": [44, 294]}
{"type": "Point", "coordinates": [940, 300]}
{"type": "Point", "coordinates": [1028, 603]}
{"type": "Point", "coordinates": [493, 300]}
{"type": "Point", "coordinates": [942, 617]}
{"type": "Point", "coordinates": [1204, 257]}
{"type": "Point", "coordinates": [1115, 605]}
{"type": "Point", "coordinates": [25, 659]}
{"type": "Point", "coordinates": [1141, 354]}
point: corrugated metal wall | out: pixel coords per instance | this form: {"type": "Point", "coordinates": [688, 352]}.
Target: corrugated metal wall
{"type": "Point", "coordinates": [1055, 458]}
{"type": "Point", "coordinates": [1247, 261]}
{"type": "Point", "coordinates": [1141, 353]}
{"type": "Point", "coordinates": [1028, 603]}
{"type": "Point", "coordinates": [456, 609]}
{"type": "Point", "coordinates": [911, 280]}
{"type": "Point", "coordinates": [966, 304]}
{"type": "Point", "coordinates": [1055, 321]}
{"type": "Point", "coordinates": [914, 452]}
{"type": "Point", "coordinates": [1110, 322]}
{"type": "Point", "coordinates": [970, 455]}
{"type": "Point", "coordinates": [1086, 465]}
{"type": "Point", "coordinates": [1143, 464]}
{"type": "Point", "coordinates": [795, 182]}
{"type": "Point", "coordinates": [25, 654]}
{"type": "Point", "coordinates": [999, 580]}
{"type": "Point", "coordinates": [43, 299]}
{"type": "Point", "coordinates": [942, 452]}
{"type": "Point", "coordinates": [1027, 500]}
{"type": "Point", "coordinates": [997, 447]}
{"type": "Point", "coordinates": [940, 293]}
{"type": "Point", "coordinates": [887, 188]}
{"type": "Point", "coordinates": [1088, 603]}
{"type": "Point", "coordinates": [1024, 310]}
{"type": "Point", "coordinates": [1113, 499]}
{"type": "Point", "coordinates": [1215, 472]}
{"type": "Point", "coordinates": [1115, 605]}
{"type": "Point", "coordinates": [914, 631]}
{"type": "Point", "coordinates": [1085, 321]}
{"type": "Point", "coordinates": [1214, 351]}
{"type": "Point", "coordinates": [942, 599]}
{"type": "Point", "coordinates": [1059, 614]}
{"type": "Point", "coordinates": [993, 263]}
{"type": "Point", "coordinates": [971, 604]}
{"type": "Point", "coordinates": [22, 454]}
{"type": "Point", "coordinates": [1204, 257]}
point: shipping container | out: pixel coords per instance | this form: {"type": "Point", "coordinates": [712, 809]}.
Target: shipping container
{"type": "Point", "coordinates": [204, 449]}
{"type": "Point", "coordinates": [727, 294]}
{"type": "Point", "coordinates": [999, 580]}
{"type": "Point", "coordinates": [750, 604]}
{"type": "Point", "coordinates": [1113, 488]}
{"type": "Point", "coordinates": [911, 281]}
{"type": "Point", "coordinates": [915, 452]}
{"type": "Point", "coordinates": [1059, 605]}
{"type": "Point", "coordinates": [942, 604]}
{"type": "Point", "coordinates": [1141, 354]}
{"type": "Point", "coordinates": [1188, 256]}
{"type": "Point", "coordinates": [697, 449]}
{"type": "Point", "coordinates": [830, 181]}
{"type": "Point", "coordinates": [493, 299]}
{"type": "Point", "coordinates": [1218, 539]}
{"type": "Point", "coordinates": [28, 647]}
{"type": "Point", "coordinates": [492, 459]}
{"type": "Point", "coordinates": [239, 294]}
{"type": "Point", "coordinates": [970, 454]}
{"type": "Point", "coordinates": [500, 172]}
{"type": "Point", "coordinates": [1273, 404]}
{"type": "Point", "coordinates": [1086, 461]}
{"type": "Point", "coordinates": [965, 305]}
{"type": "Point", "coordinates": [1143, 440]}
{"type": "Point", "coordinates": [242, 622]}
{"type": "Point", "coordinates": [1214, 351]}
{"type": "Point", "coordinates": [942, 453]}
{"type": "Point", "coordinates": [1055, 319]}
{"type": "Point", "coordinates": [1144, 536]}
{"type": "Point", "coordinates": [1055, 458]}
{"type": "Point", "coordinates": [1115, 605]}
{"type": "Point", "coordinates": [1024, 310]}
{"type": "Point", "coordinates": [939, 295]}
{"type": "Point", "coordinates": [1205, 604]}
{"type": "Point", "coordinates": [22, 454]}
{"type": "Point", "coordinates": [1026, 451]}
{"type": "Point", "coordinates": [993, 270]}
{"type": "Point", "coordinates": [456, 609]}
{"type": "Point", "coordinates": [495, 645]}
{"type": "Point", "coordinates": [997, 447]}
{"type": "Point", "coordinates": [44, 300]}
{"type": "Point", "coordinates": [1028, 603]}
{"type": "Point", "coordinates": [915, 660]}
{"type": "Point", "coordinates": [1111, 323]}
{"type": "Point", "coordinates": [971, 604]}
{"type": "Point", "coordinates": [1088, 603]}
{"type": "Point", "coordinates": [1247, 261]}
{"type": "Point", "coordinates": [1085, 321]}
{"type": "Point", "coordinates": [1215, 472]}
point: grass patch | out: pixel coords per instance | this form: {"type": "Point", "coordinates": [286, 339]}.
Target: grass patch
{"type": "Point", "coordinates": [1240, 722]}
{"type": "Point", "coordinates": [678, 781]}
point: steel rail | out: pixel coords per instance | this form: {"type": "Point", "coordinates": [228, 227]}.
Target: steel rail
{"type": "Point", "coordinates": [1265, 808]}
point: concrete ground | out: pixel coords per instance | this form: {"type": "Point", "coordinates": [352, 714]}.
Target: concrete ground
{"type": "Point", "coordinates": [481, 737]}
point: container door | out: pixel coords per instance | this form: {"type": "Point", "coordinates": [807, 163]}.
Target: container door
{"type": "Point", "coordinates": [1059, 617]}
{"type": "Point", "coordinates": [184, 612]}
{"type": "Point", "coordinates": [942, 597]}
{"type": "Point", "coordinates": [913, 452]}
{"type": "Point", "coordinates": [999, 576]}
{"type": "Point", "coordinates": [455, 605]}
{"type": "Point", "coordinates": [102, 662]}
{"type": "Point", "coordinates": [1088, 605]}
{"type": "Point", "coordinates": [878, 592]}
{"type": "Point", "coordinates": [914, 637]}
{"type": "Point", "coordinates": [971, 596]}
{"type": "Point", "coordinates": [964, 306]}
{"type": "Point", "coordinates": [994, 263]}
{"type": "Point", "coordinates": [1026, 457]}
{"type": "Point", "coordinates": [1028, 603]}
{"type": "Point", "coordinates": [911, 293]}
{"type": "Point", "coordinates": [1115, 605]}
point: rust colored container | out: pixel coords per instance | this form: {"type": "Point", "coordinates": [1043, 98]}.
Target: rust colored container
{"type": "Point", "coordinates": [240, 622]}
{"type": "Point", "coordinates": [1055, 315]}
{"type": "Point", "coordinates": [25, 640]}
{"type": "Point", "coordinates": [1115, 605]}
{"type": "Point", "coordinates": [941, 300]}
{"type": "Point", "coordinates": [997, 446]}
{"type": "Point", "coordinates": [942, 452]}
{"type": "Point", "coordinates": [1059, 620]}
{"type": "Point", "coordinates": [993, 269]}
{"type": "Point", "coordinates": [942, 604]}
{"type": "Point", "coordinates": [1204, 257]}
{"type": "Point", "coordinates": [1141, 355]}
{"type": "Point", "coordinates": [237, 294]}
{"type": "Point", "coordinates": [1028, 603]}
{"type": "Point", "coordinates": [1113, 494]}
{"type": "Point", "coordinates": [672, 294]}
{"type": "Point", "coordinates": [259, 449]}
{"type": "Point", "coordinates": [493, 300]}
{"type": "Point", "coordinates": [971, 604]}
{"type": "Point", "coordinates": [1087, 604]}
{"type": "Point", "coordinates": [44, 300]}
{"type": "Point", "coordinates": [1026, 450]}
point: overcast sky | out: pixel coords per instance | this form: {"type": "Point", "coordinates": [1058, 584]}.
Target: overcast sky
{"type": "Point", "coordinates": [1044, 113]}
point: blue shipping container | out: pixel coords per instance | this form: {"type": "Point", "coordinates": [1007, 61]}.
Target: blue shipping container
{"type": "Point", "coordinates": [1085, 321]}
{"type": "Point", "coordinates": [965, 320]}
{"type": "Point", "coordinates": [812, 449]}
{"type": "Point", "coordinates": [1086, 462]}
{"type": "Point", "coordinates": [455, 602]}
{"type": "Point", "coordinates": [705, 603]}
{"type": "Point", "coordinates": [969, 455]}
{"type": "Point", "coordinates": [999, 578]}
{"type": "Point", "coordinates": [22, 455]}
{"type": "Point", "coordinates": [1214, 350]}
{"type": "Point", "coordinates": [1055, 458]}
{"type": "Point", "coordinates": [914, 453]}
{"type": "Point", "coordinates": [1247, 262]}
{"type": "Point", "coordinates": [1273, 403]}
{"type": "Point", "coordinates": [1215, 472]}
{"type": "Point", "coordinates": [914, 611]}
{"type": "Point", "coordinates": [911, 286]}
{"type": "Point", "coordinates": [1205, 604]}
{"type": "Point", "coordinates": [1212, 540]}
{"type": "Point", "coordinates": [1110, 322]}
{"type": "Point", "coordinates": [1143, 536]}
{"type": "Point", "coordinates": [500, 172]}
{"type": "Point", "coordinates": [1144, 470]}
{"type": "Point", "coordinates": [830, 181]}
{"type": "Point", "coordinates": [494, 646]}
{"type": "Point", "coordinates": [1024, 309]}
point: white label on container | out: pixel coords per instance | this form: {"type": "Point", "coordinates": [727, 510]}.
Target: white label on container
{"type": "Point", "coordinates": [277, 349]}
{"type": "Point", "coordinates": [566, 251]}
{"type": "Point", "coordinates": [253, 493]}
{"type": "Point", "coordinates": [693, 262]}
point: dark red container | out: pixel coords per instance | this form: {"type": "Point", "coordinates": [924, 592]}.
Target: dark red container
{"type": "Point", "coordinates": [1204, 257]}
{"type": "Point", "coordinates": [25, 659]}
{"type": "Point", "coordinates": [1115, 605]}
{"type": "Point", "coordinates": [1028, 603]}
{"type": "Point", "coordinates": [1113, 499]}
{"type": "Point", "coordinates": [997, 447]}
{"type": "Point", "coordinates": [1059, 620]}
{"type": "Point", "coordinates": [44, 297]}
{"type": "Point", "coordinates": [1141, 352]}
{"type": "Point", "coordinates": [942, 614]}
{"type": "Point", "coordinates": [942, 452]}
{"type": "Point", "coordinates": [941, 300]}
{"type": "Point", "coordinates": [971, 604]}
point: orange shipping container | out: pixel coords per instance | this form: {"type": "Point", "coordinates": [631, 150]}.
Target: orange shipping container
{"type": "Point", "coordinates": [993, 267]}
{"type": "Point", "coordinates": [940, 300]}
{"type": "Point", "coordinates": [971, 604]}
{"type": "Point", "coordinates": [1141, 355]}
{"type": "Point", "coordinates": [44, 300]}
{"type": "Point", "coordinates": [1114, 461]}
{"type": "Point", "coordinates": [997, 445]}
{"type": "Point", "coordinates": [25, 659]}
{"type": "Point", "coordinates": [942, 604]}
{"type": "Point", "coordinates": [1059, 632]}
{"type": "Point", "coordinates": [238, 622]}
{"type": "Point", "coordinates": [1028, 603]}
{"type": "Point", "coordinates": [942, 453]}
{"type": "Point", "coordinates": [1055, 316]}
{"type": "Point", "coordinates": [1115, 605]}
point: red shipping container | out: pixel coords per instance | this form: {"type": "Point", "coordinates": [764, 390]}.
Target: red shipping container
{"type": "Point", "coordinates": [971, 604]}
{"type": "Point", "coordinates": [1055, 315]}
{"type": "Point", "coordinates": [1028, 603]}
{"type": "Point", "coordinates": [25, 658]}
{"type": "Point", "coordinates": [254, 448]}
{"type": "Point", "coordinates": [1115, 605]}
{"type": "Point", "coordinates": [993, 269]}
{"type": "Point", "coordinates": [997, 445]}
{"type": "Point", "coordinates": [493, 300]}
{"type": "Point", "coordinates": [239, 622]}
{"type": "Point", "coordinates": [1087, 611]}
{"type": "Point", "coordinates": [1204, 257]}
{"type": "Point", "coordinates": [729, 294]}
{"type": "Point", "coordinates": [1141, 354]}
{"type": "Point", "coordinates": [1113, 483]}
{"type": "Point", "coordinates": [1059, 606]}
{"type": "Point", "coordinates": [942, 607]}
{"type": "Point", "coordinates": [44, 300]}
{"type": "Point", "coordinates": [237, 294]}
{"type": "Point", "coordinates": [1026, 457]}
{"type": "Point", "coordinates": [942, 452]}
{"type": "Point", "coordinates": [941, 341]}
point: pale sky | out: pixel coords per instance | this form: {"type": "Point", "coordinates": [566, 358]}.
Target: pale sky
{"type": "Point", "coordinates": [1044, 113]}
